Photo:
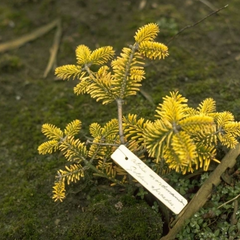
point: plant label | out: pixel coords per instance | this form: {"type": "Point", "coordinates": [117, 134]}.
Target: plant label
{"type": "Point", "coordinates": [149, 179]}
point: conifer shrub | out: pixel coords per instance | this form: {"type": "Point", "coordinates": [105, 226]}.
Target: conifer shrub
{"type": "Point", "coordinates": [181, 139]}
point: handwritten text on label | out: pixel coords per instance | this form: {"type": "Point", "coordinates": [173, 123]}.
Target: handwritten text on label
{"type": "Point", "coordinates": [149, 179]}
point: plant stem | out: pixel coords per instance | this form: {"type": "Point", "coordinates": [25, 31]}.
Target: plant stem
{"type": "Point", "coordinates": [120, 116]}
{"type": "Point", "coordinates": [121, 134]}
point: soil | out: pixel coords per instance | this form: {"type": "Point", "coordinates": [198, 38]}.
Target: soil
{"type": "Point", "coordinates": [203, 62]}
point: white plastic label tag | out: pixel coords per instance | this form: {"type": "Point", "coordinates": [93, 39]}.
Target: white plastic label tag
{"type": "Point", "coordinates": [149, 179]}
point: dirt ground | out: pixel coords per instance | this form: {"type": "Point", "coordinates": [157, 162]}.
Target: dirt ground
{"type": "Point", "coordinates": [203, 62]}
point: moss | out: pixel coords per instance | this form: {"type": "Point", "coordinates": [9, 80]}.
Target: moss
{"type": "Point", "coordinates": [14, 18]}
{"type": "Point", "coordinates": [117, 217]}
{"type": "Point", "coordinates": [24, 229]}
{"type": "Point", "coordinates": [168, 26]}
{"type": "Point", "coordinates": [10, 63]}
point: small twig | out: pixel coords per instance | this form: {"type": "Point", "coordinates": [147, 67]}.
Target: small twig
{"type": "Point", "coordinates": [28, 37]}
{"type": "Point", "coordinates": [142, 4]}
{"type": "Point", "coordinates": [147, 96]}
{"type": "Point", "coordinates": [34, 35]}
{"type": "Point", "coordinates": [235, 209]}
{"type": "Point", "coordinates": [54, 49]}
{"type": "Point", "coordinates": [207, 3]}
{"type": "Point", "coordinates": [196, 23]}
{"type": "Point", "coordinates": [229, 201]}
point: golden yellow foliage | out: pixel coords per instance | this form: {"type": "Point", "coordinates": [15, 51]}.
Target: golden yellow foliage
{"type": "Point", "coordinates": [59, 191]}
{"type": "Point", "coordinates": [127, 70]}
{"type": "Point", "coordinates": [186, 138]}
{"type": "Point", "coordinates": [147, 33]}
{"type": "Point", "coordinates": [181, 138]}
